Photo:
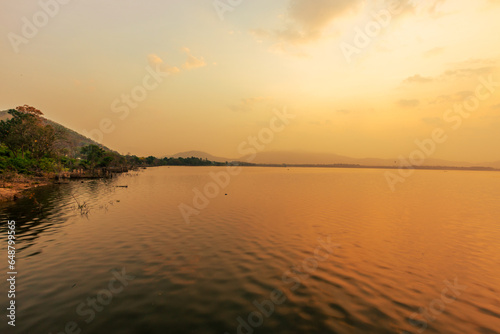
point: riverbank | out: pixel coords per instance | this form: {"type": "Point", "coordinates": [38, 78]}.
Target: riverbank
{"type": "Point", "coordinates": [14, 188]}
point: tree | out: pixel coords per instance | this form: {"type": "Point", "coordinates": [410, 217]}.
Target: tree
{"type": "Point", "coordinates": [150, 160]}
{"type": "Point", "coordinates": [112, 159]}
{"type": "Point", "coordinates": [26, 132]}
{"type": "Point", "coordinates": [92, 154]}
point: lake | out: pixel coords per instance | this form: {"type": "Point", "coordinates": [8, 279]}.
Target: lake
{"type": "Point", "coordinates": [278, 250]}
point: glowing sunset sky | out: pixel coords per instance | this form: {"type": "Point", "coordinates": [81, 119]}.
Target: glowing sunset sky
{"type": "Point", "coordinates": [226, 76]}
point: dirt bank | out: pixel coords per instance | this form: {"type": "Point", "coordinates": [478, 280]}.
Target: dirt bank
{"type": "Point", "coordinates": [14, 189]}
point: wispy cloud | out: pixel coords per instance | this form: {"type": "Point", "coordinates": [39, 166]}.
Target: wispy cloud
{"type": "Point", "coordinates": [433, 52]}
{"type": "Point", "coordinates": [306, 20]}
{"type": "Point", "coordinates": [450, 98]}
{"type": "Point", "coordinates": [467, 69]}
{"type": "Point", "coordinates": [411, 103]}
{"type": "Point", "coordinates": [417, 79]}
{"type": "Point", "coordinates": [192, 62]}
{"type": "Point", "coordinates": [155, 60]}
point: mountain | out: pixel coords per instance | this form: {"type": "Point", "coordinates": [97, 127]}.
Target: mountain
{"type": "Point", "coordinates": [72, 141]}
{"type": "Point", "coordinates": [293, 157]}
{"type": "Point", "coordinates": [201, 155]}
{"type": "Point", "coordinates": [310, 158]}
{"type": "Point", "coordinates": [495, 164]}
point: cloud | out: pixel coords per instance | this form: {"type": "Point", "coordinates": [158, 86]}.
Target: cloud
{"type": "Point", "coordinates": [408, 103]}
{"type": "Point", "coordinates": [496, 107]}
{"type": "Point", "coordinates": [470, 68]}
{"type": "Point", "coordinates": [417, 78]}
{"type": "Point", "coordinates": [155, 61]}
{"type": "Point", "coordinates": [467, 72]}
{"type": "Point", "coordinates": [467, 69]}
{"type": "Point", "coordinates": [306, 20]}
{"type": "Point", "coordinates": [193, 62]}
{"type": "Point", "coordinates": [450, 98]}
{"type": "Point", "coordinates": [309, 18]}
{"type": "Point", "coordinates": [248, 104]}
{"type": "Point", "coordinates": [433, 52]}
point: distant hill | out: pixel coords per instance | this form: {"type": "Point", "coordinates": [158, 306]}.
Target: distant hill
{"type": "Point", "coordinates": [291, 157]}
{"type": "Point", "coordinates": [201, 155]}
{"type": "Point", "coordinates": [300, 158]}
{"type": "Point", "coordinates": [72, 141]}
{"type": "Point", "coordinates": [495, 164]}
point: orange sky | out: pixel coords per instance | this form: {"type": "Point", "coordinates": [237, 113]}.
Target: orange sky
{"type": "Point", "coordinates": [364, 79]}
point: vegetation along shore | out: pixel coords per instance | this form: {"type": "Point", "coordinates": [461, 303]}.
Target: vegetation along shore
{"type": "Point", "coordinates": [35, 151]}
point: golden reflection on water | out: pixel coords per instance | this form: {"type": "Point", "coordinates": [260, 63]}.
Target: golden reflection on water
{"type": "Point", "coordinates": [397, 251]}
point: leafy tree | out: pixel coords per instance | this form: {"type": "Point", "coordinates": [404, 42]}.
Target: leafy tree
{"type": "Point", "coordinates": [92, 154]}
{"type": "Point", "coordinates": [150, 160]}
{"type": "Point", "coordinates": [26, 132]}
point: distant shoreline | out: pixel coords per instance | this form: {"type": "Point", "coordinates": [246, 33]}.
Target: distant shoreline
{"type": "Point", "coordinates": [346, 166]}
{"type": "Point", "coordinates": [488, 169]}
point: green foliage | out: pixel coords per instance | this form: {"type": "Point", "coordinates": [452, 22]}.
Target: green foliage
{"type": "Point", "coordinates": [25, 132]}
{"type": "Point", "coordinates": [25, 163]}
{"type": "Point", "coordinates": [106, 161]}
{"type": "Point", "coordinates": [30, 144]}
{"type": "Point", "coordinates": [49, 165]}
{"type": "Point", "coordinates": [22, 165]}
{"type": "Point", "coordinates": [95, 156]}
{"type": "Point", "coordinates": [150, 160]}
{"type": "Point", "coordinates": [92, 153]}
{"type": "Point", "coordinates": [4, 164]}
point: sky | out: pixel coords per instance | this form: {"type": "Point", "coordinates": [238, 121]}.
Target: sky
{"type": "Point", "coordinates": [361, 78]}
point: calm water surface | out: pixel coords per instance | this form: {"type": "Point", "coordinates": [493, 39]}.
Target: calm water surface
{"type": "Point", "coordinates": [425, 257]}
